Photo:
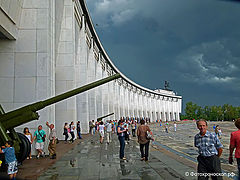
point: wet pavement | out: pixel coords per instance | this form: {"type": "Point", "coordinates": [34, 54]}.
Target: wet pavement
{"type": "Point", "coordinates": [172, 156]}
{"type": "Point", "coordinates": [92, 160]}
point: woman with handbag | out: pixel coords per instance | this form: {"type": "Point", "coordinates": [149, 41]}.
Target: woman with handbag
{"type": "Point", "coordinates": [121, 137]}
{"type": "Point", "coordinates": [144, 136]}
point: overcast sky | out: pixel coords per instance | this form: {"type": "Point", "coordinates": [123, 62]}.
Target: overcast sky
{"type": "Point", "coordinates": [193, 44]}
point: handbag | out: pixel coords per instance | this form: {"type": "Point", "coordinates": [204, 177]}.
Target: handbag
{"type": "Point", "coordinates": [148, 135]}
{"type": "Point", "coordinates": [43, 138]}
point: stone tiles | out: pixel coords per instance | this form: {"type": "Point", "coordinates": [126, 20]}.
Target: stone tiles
{"type": "Point", "coordinates": [92, 160]}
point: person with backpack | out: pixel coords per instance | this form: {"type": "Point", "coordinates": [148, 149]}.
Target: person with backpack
{"type": "Point", "coordinates": [142, 132]}
{"type": "Point", "coordinates": [40, 136]}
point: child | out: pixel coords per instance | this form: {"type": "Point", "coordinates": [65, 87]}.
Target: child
{"type": "Point", "coordinates": [10, 159]}
{"type": "Point", "coordinates": [126, 134]}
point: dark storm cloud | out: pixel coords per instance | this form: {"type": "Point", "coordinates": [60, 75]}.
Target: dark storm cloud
{"type": "Point", "coordinates": [209, 63]}
{"type": "Point", "coordinates": [193, 44]}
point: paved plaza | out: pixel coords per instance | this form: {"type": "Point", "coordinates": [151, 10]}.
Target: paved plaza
{"type": "Point", "coordinates": [172, 156]}
{"type": "Point", "coordinates": [92, 160]}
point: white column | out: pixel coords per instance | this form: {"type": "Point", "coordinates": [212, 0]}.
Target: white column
{"type": "Point", "coordinates": [131, 103]}
{"type": "Point", "coordinates": [169, 109]}
{"type": "Point", "coordinates": [155, 108]}
{"type": "Point", "coordinates": [99, 102]}
{"type": "Point", "coordinates": [145, 105]}
{"type": "Point", "coordinates": [150, 108]}
{"type": "Point", "coordinates": [164, 109]}
{"type": "Point", "coordinates": [82, 99]}
{"type": "Point", "coordinates": [179, 108]}
{"type": "Point", "coordinates": [141, 104]}
{"type": "Point", "coordinates": [121, 101]}
{"type": "Point", "coordinates": [127, 113]}
{"type": "Point", "coordinates": [136, 114]}
{"type": "Point", "coordinates": [66, 111]}
{"type": "Point", "coordinates": [105, 96]}
{"type": "Point", "coordinates": [117, 100]}
{"type": "Point", "coordinates": [91, 77]}
{"type": "Point", "coordinates": [159, 108]}
{"type": "Point", "coordinates": [111, 98]}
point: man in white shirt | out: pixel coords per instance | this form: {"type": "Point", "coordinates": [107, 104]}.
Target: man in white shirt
{"type": "Point", "coordinates": [109, 131]}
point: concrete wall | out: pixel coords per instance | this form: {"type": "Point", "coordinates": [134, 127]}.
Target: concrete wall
{"type": "Point", "coordinates": [10, 13]}
{"type": "Point", "coordinates": [27, 64]}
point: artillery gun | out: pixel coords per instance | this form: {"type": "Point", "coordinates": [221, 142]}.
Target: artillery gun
{"type": "Point", "coordinates": [100, 118]}
{"type": "Point", "coordinates": [12, 119]}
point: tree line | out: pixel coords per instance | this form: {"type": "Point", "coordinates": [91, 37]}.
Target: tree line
{"type": "Point", "coordinates": [213, 113]}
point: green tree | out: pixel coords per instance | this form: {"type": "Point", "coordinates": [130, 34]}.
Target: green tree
{"type": "Point", "coordinates": [229, 112]}
{"type": "Point", "coordinates": [213, 113]}
{"type": "Point", "coordinates": [182, 116]}
{"type": "Point", "coordinates": [206, 111]}
{"type": "Point", "coordinates": [200, 113]}
{"type": "Point", "coordinates": [190, 110]}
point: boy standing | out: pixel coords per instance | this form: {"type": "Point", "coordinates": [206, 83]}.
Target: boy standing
{"type": "Point", "coordinates": [40, 135]}
{"type": "Point", "coordinates": [10, 159]}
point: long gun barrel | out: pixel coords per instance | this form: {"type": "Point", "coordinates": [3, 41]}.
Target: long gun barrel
{"type": "Point", "coordinates": [28, 113]}
{"type": "Point", "coordinates": [100, 118]}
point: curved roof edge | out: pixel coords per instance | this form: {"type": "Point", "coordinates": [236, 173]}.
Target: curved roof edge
{"type": "Point", "coordinates": [107, 58]}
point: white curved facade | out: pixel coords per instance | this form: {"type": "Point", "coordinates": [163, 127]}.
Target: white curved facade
{"type": "Point", "coordinates": [56, 49]}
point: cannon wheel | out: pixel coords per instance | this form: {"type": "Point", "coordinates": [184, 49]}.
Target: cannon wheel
{"type": "Point", "coordinates": [25, 148]}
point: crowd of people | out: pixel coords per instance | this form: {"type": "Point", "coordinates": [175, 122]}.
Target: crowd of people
{"type": "Point", "coordinates": [123, 128]}
{"type": "Point", "coordinates": [70, 129]}
{"type": "Point", "coordinates": [208, 143]}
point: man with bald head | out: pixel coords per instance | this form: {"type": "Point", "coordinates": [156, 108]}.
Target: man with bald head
{"type": "Point", "coordinates": [52, 143]}
{"type": "Point", "coordinates": [210, 149]}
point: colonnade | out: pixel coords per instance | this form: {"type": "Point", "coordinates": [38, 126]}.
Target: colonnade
{"type": "Point", "coordinates": [123, 97]}
{"type": "Point", "coordinates": [56, 49]}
